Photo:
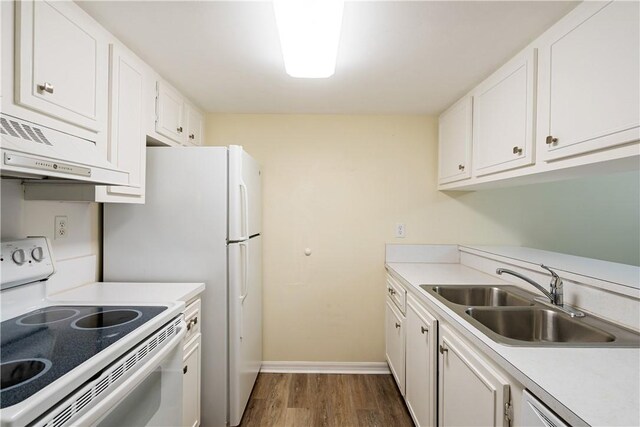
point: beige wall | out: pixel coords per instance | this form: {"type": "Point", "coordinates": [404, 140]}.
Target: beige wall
{"type": "Point", "coordinates": [339, 184]}
{"type": "Point", "coordinates": [22, 218]}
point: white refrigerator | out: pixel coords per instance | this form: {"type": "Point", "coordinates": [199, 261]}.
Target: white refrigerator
{"type": "Point", "coordinates": [201, 223]}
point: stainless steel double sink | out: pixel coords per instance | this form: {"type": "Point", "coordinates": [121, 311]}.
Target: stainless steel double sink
{"type": "Point", "coordinates": [512, 316]}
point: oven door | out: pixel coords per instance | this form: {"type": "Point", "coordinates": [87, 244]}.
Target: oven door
{"type": "Point", "coordinates": [152, 396]}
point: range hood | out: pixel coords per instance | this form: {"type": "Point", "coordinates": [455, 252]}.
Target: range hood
{"type": "Point", "coordinates": [37, 152]}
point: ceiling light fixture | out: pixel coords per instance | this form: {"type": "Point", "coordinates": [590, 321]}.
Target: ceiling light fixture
{"type": "Point", "coordinates": [309, 35]}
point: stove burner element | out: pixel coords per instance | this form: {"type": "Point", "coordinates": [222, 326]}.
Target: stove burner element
{"type": "Point", "coordinates": [45, 317]}
{"type": "Point", "coordinates": [106, 319]}
{"type": "Point", "coordinates": [19, 372]}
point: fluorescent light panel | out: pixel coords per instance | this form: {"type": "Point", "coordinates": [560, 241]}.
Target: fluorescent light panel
{"type": "Point", "coordinates": [309, 35]}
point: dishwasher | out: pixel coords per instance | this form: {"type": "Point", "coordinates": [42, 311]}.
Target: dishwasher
{"type": "Point", "coordinates": [536, 414]}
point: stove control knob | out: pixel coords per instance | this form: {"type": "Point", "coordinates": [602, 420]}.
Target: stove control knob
{"type": "Point", "coordinates": [19, 256]}
{"type": "Point", "coordinates": [37, 254]}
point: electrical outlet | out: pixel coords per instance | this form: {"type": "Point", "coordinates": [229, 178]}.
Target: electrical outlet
{"type": "Point", "coordinates": [61, 229]}
{"type": "Point", "coordinates": [401, 231]}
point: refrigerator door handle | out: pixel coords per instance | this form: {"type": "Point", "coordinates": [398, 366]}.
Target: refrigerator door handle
{"type": "Point", "coordinates": [244, 284]}
{"type": "Point", "coordinates": [244, 200]}
{"type": "Point", "coordinates": [244, 255]}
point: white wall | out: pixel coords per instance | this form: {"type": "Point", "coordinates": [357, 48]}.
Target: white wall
{"type": "Point", "coordinates": [339, 184]}
{"type": "Point", "coordinates": [22, 218]}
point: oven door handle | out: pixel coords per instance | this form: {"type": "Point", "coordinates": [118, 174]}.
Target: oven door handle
{"type": "Point", "coordinates": [95, 413]}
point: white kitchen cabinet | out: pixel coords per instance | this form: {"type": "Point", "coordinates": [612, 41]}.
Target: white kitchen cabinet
{"type": "Point", "coordinates": [455, 142]}
{"type": "Point", "coordinates": [176, 119]}
{"type": "Point", "coordinates": [395, 343]}
{"type": "Point", "coordinates": [504, 116]}
{"type": "Point", "coordinates": [170, 113]}
{"type": "Point", "coordinates": [191, 382]}
{"type": "Point", "coordinates": [195, 125]}
{"type": "Point", "coordinates": [127, 145]}
{"type": "Point", "coordinates": [61, 63]}
{"type": "Point", "coordinates": [589, 89]}
{"type": "Point", "coordinates": [470, 391]}
{"type": "Point", "coordinates": [421, 369]}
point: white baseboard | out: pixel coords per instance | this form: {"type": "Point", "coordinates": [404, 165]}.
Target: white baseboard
{"type": "Point", "coordinates": [326, 367]}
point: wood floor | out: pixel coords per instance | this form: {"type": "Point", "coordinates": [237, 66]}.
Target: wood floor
{"type": "Point", "coordinates": [319, 400]}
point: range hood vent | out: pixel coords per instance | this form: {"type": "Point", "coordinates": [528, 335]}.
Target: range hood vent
{"type": "Point", "coordinates": [33, 151]}
{"type": "Point", "coordinates": [24, 131]}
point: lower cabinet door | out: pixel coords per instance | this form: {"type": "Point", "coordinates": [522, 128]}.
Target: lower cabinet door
{"type": "Point", "coordinates": [394, 340]}
{"type": "Point", "coordinates": [471, 392]}
{"type": "Point", "coordinates": [422, 342]}
{"type": "Point", "coordinates": [191, 383]}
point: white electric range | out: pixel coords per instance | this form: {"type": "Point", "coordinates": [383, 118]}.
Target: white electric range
{"type": "Point", "coordinates": [80, 363]}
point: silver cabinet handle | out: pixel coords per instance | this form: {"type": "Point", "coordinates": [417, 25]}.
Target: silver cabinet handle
{"type": "Point", "coordinates": [46, 87]}
{"type": "Point", "coordinates": [517, 150]}
{"type": "Point", "coordinates": [551, 140]}
{"type": "Point", "coordinates": [179, 129]}
{"type": "Point", "coordinates": [423, 329]}
{"type": "Point", "coordinates": [195, 320]}
{"type": "Point", "coordinates": [189, 325]}
{"type": "Point", "coordinates": [460, 167]}
{"type": "Point", "coordinates": [192, 136]}
{"type": "Point", "coordinates": [443, 349]}
{"type": "Point", "coordinates": [185, 369]}
{"type": "Point", "coordinates": [397, 325]}
{"type": "Point", "coordinates": [392, 291]}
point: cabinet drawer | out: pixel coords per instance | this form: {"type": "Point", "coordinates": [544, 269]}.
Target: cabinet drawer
{"type": "Point", "coordinates": [397, 293]}
{"type": "Point", "coordinates": [192, 317]}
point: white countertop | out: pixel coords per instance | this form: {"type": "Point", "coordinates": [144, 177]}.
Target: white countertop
{"type": "Point", "coordinates": [597, 386]}
{"type": "Point", "coordinates": [130, 292]}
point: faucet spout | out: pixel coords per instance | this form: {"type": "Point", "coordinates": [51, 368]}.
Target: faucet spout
{"type": "Point", "coordinates": [548, 294]}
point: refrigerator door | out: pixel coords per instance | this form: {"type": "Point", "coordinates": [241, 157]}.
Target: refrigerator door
{"type": "Point", "coordinates": [245, 195]}
{"type": "Point", "coordinates": [179, 235]}
{"type": "Point", "coordinates": [245, 322]}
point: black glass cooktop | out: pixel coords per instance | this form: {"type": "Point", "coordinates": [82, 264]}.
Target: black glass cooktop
{"type": "Point", "coordinates": [39, 347]}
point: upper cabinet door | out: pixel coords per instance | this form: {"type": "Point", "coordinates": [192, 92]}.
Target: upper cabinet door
{"type": "Point", "coordinates": [61, 63]}
{"type": "Point", "coordinates": [454, 152]}
{"type": "Point", "coordinates": [503, 117]}
{"type": "Point", "coordinates": [127, 146]}
{"type": "Point", "coordinates": [589, 86]}
{"type": "Point", "coordinates": [194, 125]}
{"type": "Point", "coordinates": [169, 111]}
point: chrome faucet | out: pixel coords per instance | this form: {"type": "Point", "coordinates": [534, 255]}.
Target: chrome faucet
{"type": "Point", "coordinates": [555, 295]}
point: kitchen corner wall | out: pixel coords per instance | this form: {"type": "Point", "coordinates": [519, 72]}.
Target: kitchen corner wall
{"type": "Point", "coordinates": [22, 218]}
{"type": "Point", "coordinates": [339, 184]}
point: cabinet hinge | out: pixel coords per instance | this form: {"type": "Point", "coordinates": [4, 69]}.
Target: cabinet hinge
{"type": "Point", "coordinates": [508, 412]}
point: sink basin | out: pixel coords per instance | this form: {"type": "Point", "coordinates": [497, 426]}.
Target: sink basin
{"type": "Point", "coordinates": [512, 316]}
{"type": "Point", "coordinates": [537, 324]}
{"type": "Point", "coordinates": [480, 296]}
